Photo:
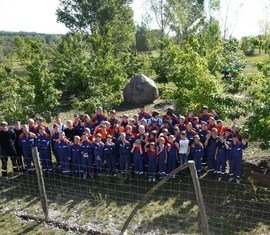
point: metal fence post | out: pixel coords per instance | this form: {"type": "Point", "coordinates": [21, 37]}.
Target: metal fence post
{"type": "Point", "coordinates": [41, 185]}
{"type": "Point", "coordinates": [199, 197]}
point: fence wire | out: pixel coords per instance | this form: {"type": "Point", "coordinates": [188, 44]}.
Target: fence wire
{"type": "Point", "coordinates": [102, 203]}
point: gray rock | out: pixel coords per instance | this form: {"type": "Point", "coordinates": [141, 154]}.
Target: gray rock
{"type": "Point", "coordinates": [140, 90]}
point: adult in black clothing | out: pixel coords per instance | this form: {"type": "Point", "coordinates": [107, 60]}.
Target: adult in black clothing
{"type": "Point", "coordinates": [70, 131]}
{"type": "Point", "coordinates": [18, 131]}
{"type": "Point", "coordinates": [7, 140]}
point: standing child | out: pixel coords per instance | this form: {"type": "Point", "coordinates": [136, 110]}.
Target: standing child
{"type": "Point", "coordinates": [184, 148]}
{"type": "Point", "coordinates": [43, 144]}
{"type": "Point", "coordinates": [221, 156]}
{"type": "Point", "coordinates": [172, 154]}
{"type": "Point", "coordinates": [152, 161]}
{"type": "Point", "coordinates": [236, 156]}
{"type": "Point", "coordinates": [98, 153]}
{"type": "Point", "coordinates": [87, 157]}
{"type": "Point", "coordinates": [124, 152]}
{"type": "Point", "coordinates": [138, 158]}
{"type": "Point", "coordinates": [162, 157]}
{"type": "Point", "coordinates": [76, 155]}
{"type": "Point", "coordinates": [211, 147]}
{"type": "Point", "coordinates": [110, 153]}
{"type": "Point", "coordinates": [197, 153]}
{"type": "Point", "coordinates": [63, 150]}
{"type": "Point", "coordinates": [27, 140]}
{"type": "Point", "coordinates": [54, 137]}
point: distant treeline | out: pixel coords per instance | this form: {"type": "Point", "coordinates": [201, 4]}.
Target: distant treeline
{"type": "Point", "coordinates": [7, 45]}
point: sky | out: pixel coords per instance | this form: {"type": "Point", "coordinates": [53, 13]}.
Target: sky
{"type": "Point", "coordinates": [39, 15]}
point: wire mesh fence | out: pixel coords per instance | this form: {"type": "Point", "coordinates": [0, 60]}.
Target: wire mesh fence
{"type": "Point", "coordinates": [102, 202]}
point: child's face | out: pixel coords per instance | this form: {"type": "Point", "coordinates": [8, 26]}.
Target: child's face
{"type": "Point", "coordinates": [62, 136]}
{"type": "Point", "coordinates": [137, 144]}
{"type": "Point", "coordinates": [57, 129]}
{"type": "Point", "coordinates": [152, 146]}
{"type": "Point", "coordinates": [161, 141]}
{"type": "Point", "coordinates": [98, 138]}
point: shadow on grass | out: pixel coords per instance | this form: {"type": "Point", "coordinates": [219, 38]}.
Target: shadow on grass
{"type": "Point", "coordinates": [231, 208]}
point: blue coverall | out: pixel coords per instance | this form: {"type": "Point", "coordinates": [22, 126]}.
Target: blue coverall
{"type": "Point", "coordinates": [76, 158]}
{"type": "Point", "coordinates": [87, 162]}
{"type": "Point", "coordinates": [99, 156]}
{"type": "Point", "coordinates": [44, 148]}
{"type": "Point", "coordinates": [124, 153]}
{"type": "Point", "coordinates": [236, 155]}
{"type": "Point", "coordinates": [26, 143]}
{"type": "Point", "coordinates": [110, 153]}
{"type": "Point", "coordinates": [63, 149]}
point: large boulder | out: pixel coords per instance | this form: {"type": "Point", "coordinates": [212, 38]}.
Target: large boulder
{"type": "Point", "coordinates": [140, 90]}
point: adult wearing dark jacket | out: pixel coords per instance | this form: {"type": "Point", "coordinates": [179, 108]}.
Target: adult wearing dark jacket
{"type": "Point", "coordinates": [7, 140]}
{"type": "Point", "coordinates": [18, 131]}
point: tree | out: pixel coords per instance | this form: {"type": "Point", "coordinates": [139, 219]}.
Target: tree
{"type": "Point", "coordinates": [258, 106]}
{"type": "Point", "coordinates": [162, 15]}
{"type": "Point", "coordinates": [195, 85]}
{"type": "Point", "coordinates": [110, 19]}
{"type": "Point", "coordinates": [16, 102]}
{"type": "Point", "coordinates": [248, 46]}
{"type": "Point", "coordinates": [211, 46]}
{"type": "Point", "coordinates": [142, 41]}
{"type": "Point", "coordinates": [186, 18]}
{"type": "Point", "coordinates": [32, 54]}
{"type": "Point", "coordinates": [93, 77]}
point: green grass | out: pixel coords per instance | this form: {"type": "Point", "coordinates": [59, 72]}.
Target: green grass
{"type": "Point", "coordinates": [252, 61]}
{"type": "Point", "coordinates": [103, 205]}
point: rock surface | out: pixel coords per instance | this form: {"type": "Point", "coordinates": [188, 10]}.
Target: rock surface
{"type": "Point", "coordinates": [140, 90]}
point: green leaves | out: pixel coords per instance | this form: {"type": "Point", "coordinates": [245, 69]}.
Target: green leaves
{"type": "Point", "coordinates": [258, 122]}
{"type": "Point", "coordinates": [33, 55]}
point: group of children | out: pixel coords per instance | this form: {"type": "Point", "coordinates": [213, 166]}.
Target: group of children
{"type": "Point", "coordinates": [146, 143]}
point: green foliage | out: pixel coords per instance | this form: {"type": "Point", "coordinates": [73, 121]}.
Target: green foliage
{"type": "Point", "coordinates": [264, 67]}
{"type": "Point", "coordinates": [162, 64]}
{"type": "Point", "coordinates": [111, 19]}
{"type": "Point", "coordinates": [234, 64]}
{"type": "Point", "coordinates": [186, 18]}
{"type": "Point", "coordinates": [33, 55]}
{"type": "Point", "coordinates": [16, 102]}
{"type": "Point", "coordinates": [94, 76]}
{"type": "Point", "coordinates": [196, 86]}
{"type": "Point", "coordinates": [210, 46]}
{"type": "Point", "coordinates": [248, 46]}
{"type": "Point", "coordinates": [142, 40]}
{"type": "Point", "coordinates": [258, 123]}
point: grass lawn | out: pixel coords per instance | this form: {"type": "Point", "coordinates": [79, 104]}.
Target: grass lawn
{"type": "Point", "coordinates": [102, 204]}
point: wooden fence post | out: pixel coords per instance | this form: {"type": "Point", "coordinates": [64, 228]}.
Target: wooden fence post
{"type": "Point", "coordinates": [41, 185]}
{"type": "Point", "coordinates": [199, 197]}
